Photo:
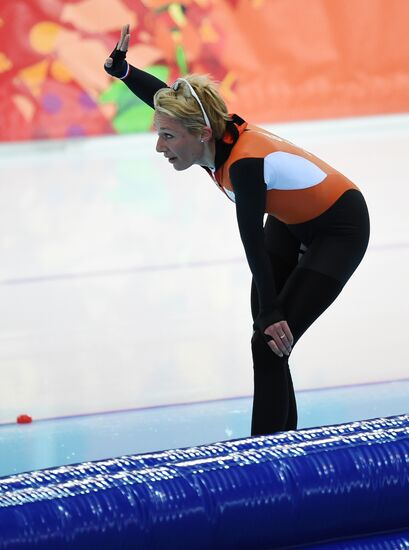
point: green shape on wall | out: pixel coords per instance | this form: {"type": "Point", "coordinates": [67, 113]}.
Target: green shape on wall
{"type": "Point", "coordinates": [181, 60]}
{"type": "Point", "coordinates": [133, 115]}
{"type": "Point", "coordinates": [137, 118]}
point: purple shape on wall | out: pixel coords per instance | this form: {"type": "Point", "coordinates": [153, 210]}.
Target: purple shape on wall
{"type": "Point", "coordinates": [75, 130]}
{"type": "Point", "coordinates": [51, 103]}
{"type": "Point", "coordinates": [86, 101]}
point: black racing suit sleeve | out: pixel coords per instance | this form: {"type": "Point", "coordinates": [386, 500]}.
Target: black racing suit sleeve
{"type": "Point", "coordinates": [247, 177]}
{"type": "Point", "coordinates": [141, 83]}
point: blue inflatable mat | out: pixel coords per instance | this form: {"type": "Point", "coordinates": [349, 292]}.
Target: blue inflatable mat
{"type": "Point", "coordinates": [292, 489]}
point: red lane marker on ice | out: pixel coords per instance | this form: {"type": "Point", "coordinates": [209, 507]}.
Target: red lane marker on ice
{"type": "Point", "coordinates": [24, 419]}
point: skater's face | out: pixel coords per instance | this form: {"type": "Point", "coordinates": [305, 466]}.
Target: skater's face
{"type": "Point", "coordinates": [178, 145]}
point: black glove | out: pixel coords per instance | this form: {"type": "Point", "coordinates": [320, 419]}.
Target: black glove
{"type": "Point", "coordinates": [116, 64]}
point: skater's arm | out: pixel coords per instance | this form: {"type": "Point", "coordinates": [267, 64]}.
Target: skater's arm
{"type": "Point", "coordinates": [247, 177]}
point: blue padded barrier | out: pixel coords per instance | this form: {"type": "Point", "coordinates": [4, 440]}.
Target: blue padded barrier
{"type": "Point", "coordinates": [133, 462]}
{"type": "Point", "coordinates": [385, 541]}
{"type": "Point", "coordinates": [267, 492]}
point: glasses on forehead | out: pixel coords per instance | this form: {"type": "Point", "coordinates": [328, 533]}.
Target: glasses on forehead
{"type": "Point", "coordinates": [175, 86]}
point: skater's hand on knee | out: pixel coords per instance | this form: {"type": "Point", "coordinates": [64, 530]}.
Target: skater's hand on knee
{"type": "Point", "coordinates": [281, 338]}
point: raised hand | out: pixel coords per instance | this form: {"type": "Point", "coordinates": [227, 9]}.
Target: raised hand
{"type": "Point", "coordinates": [116, 64]}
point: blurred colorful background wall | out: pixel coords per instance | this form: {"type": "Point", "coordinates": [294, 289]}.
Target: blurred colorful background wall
{"type": "Point", "coordinates": [276, 60]}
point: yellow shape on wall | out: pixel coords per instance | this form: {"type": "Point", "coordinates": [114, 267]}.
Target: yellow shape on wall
{"type": "Point", "coordinates": [25, 106]}
{"type": "Point", "coordinates": [208, 33]}
{"type": "Point", "coordinates": [43, 36]}
{"type": "Point", "coordinates": [176, 12]}
{"type": "Point", "coordinates": [226, 84]}
{"type": "Point", "coordinates": [60, 72]}
{"type": "Point", "coordinates": [98, 16]}
{"type": "Point", "coordinates": [34, 76]}
{"type": "Point", "coordinates": [5, 63]}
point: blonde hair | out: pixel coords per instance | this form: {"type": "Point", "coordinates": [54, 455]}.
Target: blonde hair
{"type": "Point", "coordinates": [180, 103]}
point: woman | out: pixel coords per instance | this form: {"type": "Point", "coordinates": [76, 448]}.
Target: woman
{"type": "Point", "coordinates": [315, 235]}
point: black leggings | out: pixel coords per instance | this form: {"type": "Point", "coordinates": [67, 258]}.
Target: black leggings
{"type": "Point", "coordinates": [307, 283]}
